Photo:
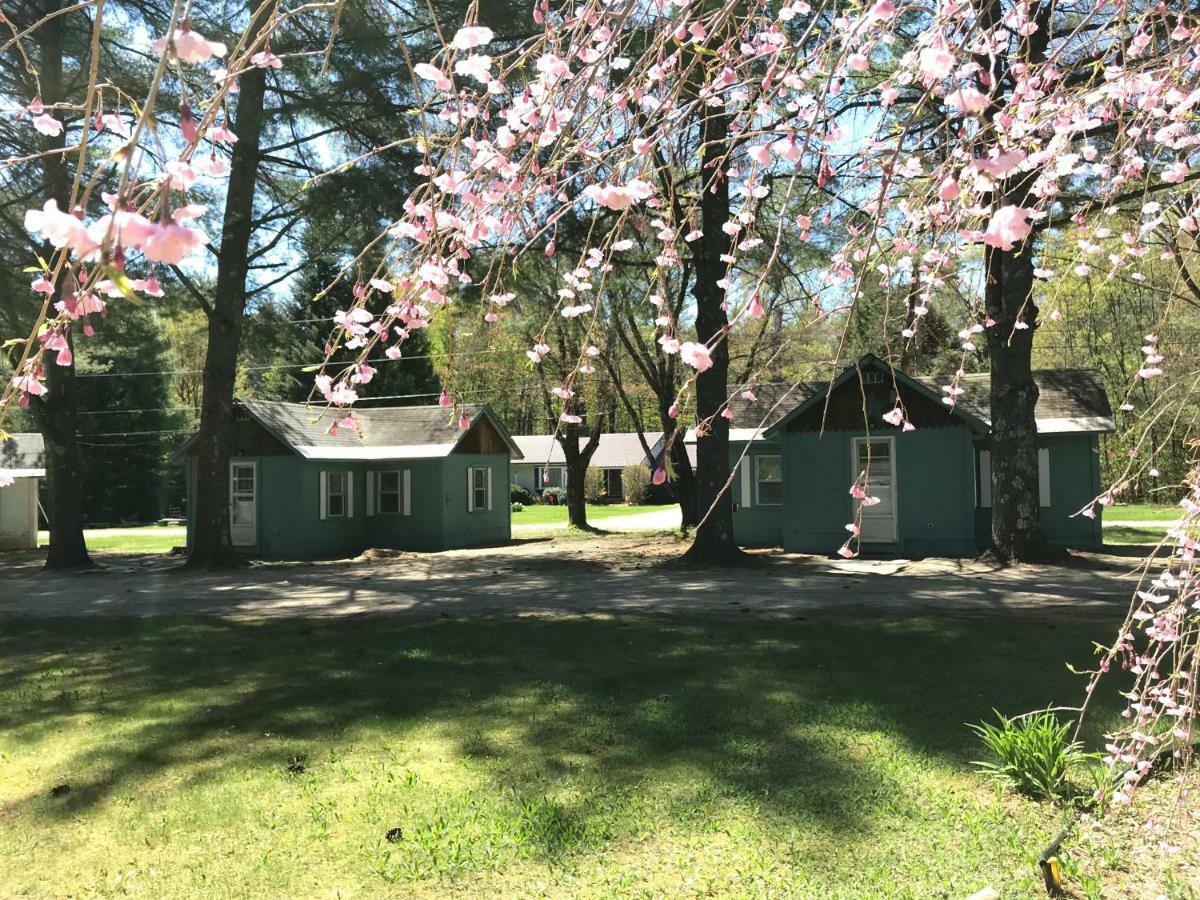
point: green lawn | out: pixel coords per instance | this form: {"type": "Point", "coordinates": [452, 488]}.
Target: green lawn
{"type": "Point", "coordinates": [1142, 512]}
{"type": "Point", "coordinates": [545, 514]}
{"type": "Point", "coordinates": [566, 757]}
{"type": "Point", "coordinates": [146, 539]}
{"type": "Point", "coordinates": [1128, 534]}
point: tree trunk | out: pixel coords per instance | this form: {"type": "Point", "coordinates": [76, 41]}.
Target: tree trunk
{"type": "Point", "coordinates": [714, 542]}
{"type": "Point", "coordinates": [1016, 530]}
{"type": "Point", "coordinates": [58, 411]}
{"type": "Point", "coordinates": [685, 479]}
{"type": "Point", "coordinates": [577, 460]}
{"type": "Point", "coordinates": [1008, 299]}
{"type": "Point", "coordinates": [212, 546]}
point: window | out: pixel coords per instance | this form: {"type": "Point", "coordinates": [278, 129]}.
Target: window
{"type": "Point", "coordinates": [335, 494]}
{"type": "Point", "coordinates": [479, 489]}
{"type": "Point", "coordinates": [387, 493]}
{"type": "Point", "coordinates": [769, 478]}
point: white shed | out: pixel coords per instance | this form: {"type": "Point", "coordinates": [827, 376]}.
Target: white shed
{"type": "Point", "coordinates": [22, 463]}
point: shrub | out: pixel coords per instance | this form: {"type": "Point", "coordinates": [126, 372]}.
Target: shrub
{"type": "Point", "coordinates": [517, 507]}
{"type": "Point", "coordinates": [1033, 753]}
{"type": "Point", "coordinates": [634, 480]}
{"type": "Point", "coordinates": [595, 486]}
{"type": "Point", "coordinates": [553, 495]}
{"type": "Point", "coordinates": [518, 494]}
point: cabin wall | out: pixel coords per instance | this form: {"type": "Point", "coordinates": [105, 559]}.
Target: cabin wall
{"type": "Point", "coordinates": [754, 524]}
{"type": "Point", "coordinates": [1074, 465]}
{"type": "Point", "coordinates": [934, 491]}
{"type": "Point", "coordinates": [18, 515]}
{"type": "Point", "coordinates": [464, 528]}
{"type": "Point", "coordinates": [423, 527]}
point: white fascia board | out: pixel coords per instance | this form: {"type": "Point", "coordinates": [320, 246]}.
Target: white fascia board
{"type": "Point", "coordinates": [411, 451]}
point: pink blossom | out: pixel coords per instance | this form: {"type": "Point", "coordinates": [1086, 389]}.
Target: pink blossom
{"type": "Point", "coordinates": [1009, 225]}
{"type": "Point", "coordinates": [936, 63]}
{"type": "Point", "coordinates": [434, 74]}
{"type": "Point", "coordinates": [698, 356]}
{"type": "Point", "coordinates": [968, 100]}
{"type": "Point", "coordinates": [171, 243]}
{"type": "Point", "coordinates": [61, 229]}
{"type": "Point", "coordinates": [659, 476]}
{"type": "Point", "coordinates": [265, 59]}
{"type": "Point", "coordinates": [620, 197]}
{"type": "Point", "coordinates": [47, 124]}
{"type": "Point", "coordinates": [858, 62]}
{"type": "Point", "coordinates": [29, 385]}
{"type": "Point", "coordinates": [190, 46]}
{"type": "Point", "coordinates": [948, 189]}
{"type": "Point", "coordinates": [471, 36]}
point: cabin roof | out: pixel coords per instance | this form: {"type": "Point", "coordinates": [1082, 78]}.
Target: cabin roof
{"type": "Point", "coordinates": [614, 450]}
{"type": "Point", "coordinates": [383, 432]}
{"type": "Point", "coordinates": [1069, 400]}
{"type": "Point", "coordinates": [23, 456]}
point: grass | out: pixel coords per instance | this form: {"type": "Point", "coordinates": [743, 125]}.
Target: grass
{"type": "Point", "coordinates": [145, 539]}
{"type": "Point", "coordinates": [545, 514]}
{"type": "Point", "coordinates": [1131, 534]}
{"type": "Point", "coordinates": [572, 757]}
{"type": "Point", "coordinates": [1142, 512]}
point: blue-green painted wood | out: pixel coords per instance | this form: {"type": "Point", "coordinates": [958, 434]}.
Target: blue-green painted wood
{"type": "Point", "coordinates": [289, 508]}
{"type": "Point", "coordinates": [1074, 482]}
{"type": "Point", "coordinates": [756, 525]}
{"type": "Point", "coordinates": [934, 492]}
{"type": "Point", "coordinates": [462, 527]}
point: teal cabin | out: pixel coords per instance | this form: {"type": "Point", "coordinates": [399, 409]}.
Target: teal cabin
{"type": "Point", "coordinates": [797, 449]}
{"type": "Point", "coordinates": [409, 478]}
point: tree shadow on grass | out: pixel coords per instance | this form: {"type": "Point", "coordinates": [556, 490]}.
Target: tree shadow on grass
{"type": "Point", "coordinates": [786, 713]}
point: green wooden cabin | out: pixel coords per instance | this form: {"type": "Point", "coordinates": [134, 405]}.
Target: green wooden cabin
{"type": "Point", "coordinates": [409, 479]}
{"type": "Point", "coordinates": [797, 449]}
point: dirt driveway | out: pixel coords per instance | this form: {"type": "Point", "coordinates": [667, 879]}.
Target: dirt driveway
{"type": "Point", "coordinates": [566, 575]}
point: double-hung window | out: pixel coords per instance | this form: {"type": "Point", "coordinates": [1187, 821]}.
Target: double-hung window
{"type": "Point", "coordinates": [335, 495]}
{"type": "Point", "coordinates": [479, 489]}
{"type": "Point", "coordinates": [768, 471]}
{"type": "Point", "coordinates": [388, 493]}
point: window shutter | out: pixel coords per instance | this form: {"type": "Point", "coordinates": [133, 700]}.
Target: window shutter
{"type": "Point", "coordinates": [324, 494]}
{"type": "Point", "coordinates": [985, 478]}
{"type": "Point", "coordinates": [489, 487]}
{"type": "Point", "coordinates": [349, 495]}
{"type": "Point", "coordinates": [1043, 476]}
{"type": "Point", "coordinates": [407, 486]}
{"type": "Point", "coordinates": [747, 487]}
{"type": "Point", "coordinates": [470, 489]}
{"type": "Point", "coordinates": [370, 492]}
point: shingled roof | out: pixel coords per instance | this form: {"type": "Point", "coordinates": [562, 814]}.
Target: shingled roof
{"type": "Point", "coordinates": [387, 432]}
{"type": "Point", "coordinates": [1069, 400]}
{"type": "Point", "coordinates": [23, 456]}
{"type": "Point", "coordinates": [614, 451]}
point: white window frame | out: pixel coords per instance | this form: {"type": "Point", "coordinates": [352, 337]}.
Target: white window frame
{"type": "Point", "coordinates": [347, 494]}
{"type": "Point", "coordinates": [758, 500]}
{"type": "Point", "coordinates": [893, 468]}
{"type": "Point", "coordinates": [472, 506]}
{"type": "Point", "coordinates": [379, 492]}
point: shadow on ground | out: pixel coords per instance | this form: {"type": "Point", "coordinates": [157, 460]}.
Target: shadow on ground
{"type": "Point", "coordinates": [790, 712]}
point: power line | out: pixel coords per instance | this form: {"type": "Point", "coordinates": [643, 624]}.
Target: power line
{"type": "Point", "coordinates": [273, 366]}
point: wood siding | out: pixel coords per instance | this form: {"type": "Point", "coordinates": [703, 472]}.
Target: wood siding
{"type": "Point", "coordinates": [850, 401]}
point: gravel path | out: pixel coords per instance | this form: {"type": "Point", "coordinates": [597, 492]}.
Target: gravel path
{"type": "Point", "coordinates": [568, 575]}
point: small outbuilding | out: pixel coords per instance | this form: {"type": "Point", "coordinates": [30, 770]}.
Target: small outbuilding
{"type": "Point", "coordinates": [22, 466]}
{"type": "Point", "coordinates": [798, 448]}
{"type": "Point", "coordinates": [408, 478]}
{"type": "Point", "coordinates": [544, 465]}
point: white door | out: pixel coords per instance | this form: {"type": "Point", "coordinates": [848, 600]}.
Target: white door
{"type": "Point", "coordinates": [243, 505]}
{"type": "Point", "coordinates": [877, 458]}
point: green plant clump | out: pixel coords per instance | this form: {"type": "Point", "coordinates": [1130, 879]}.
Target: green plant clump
{"type": "Point", "coordinates": [1033, 753]}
